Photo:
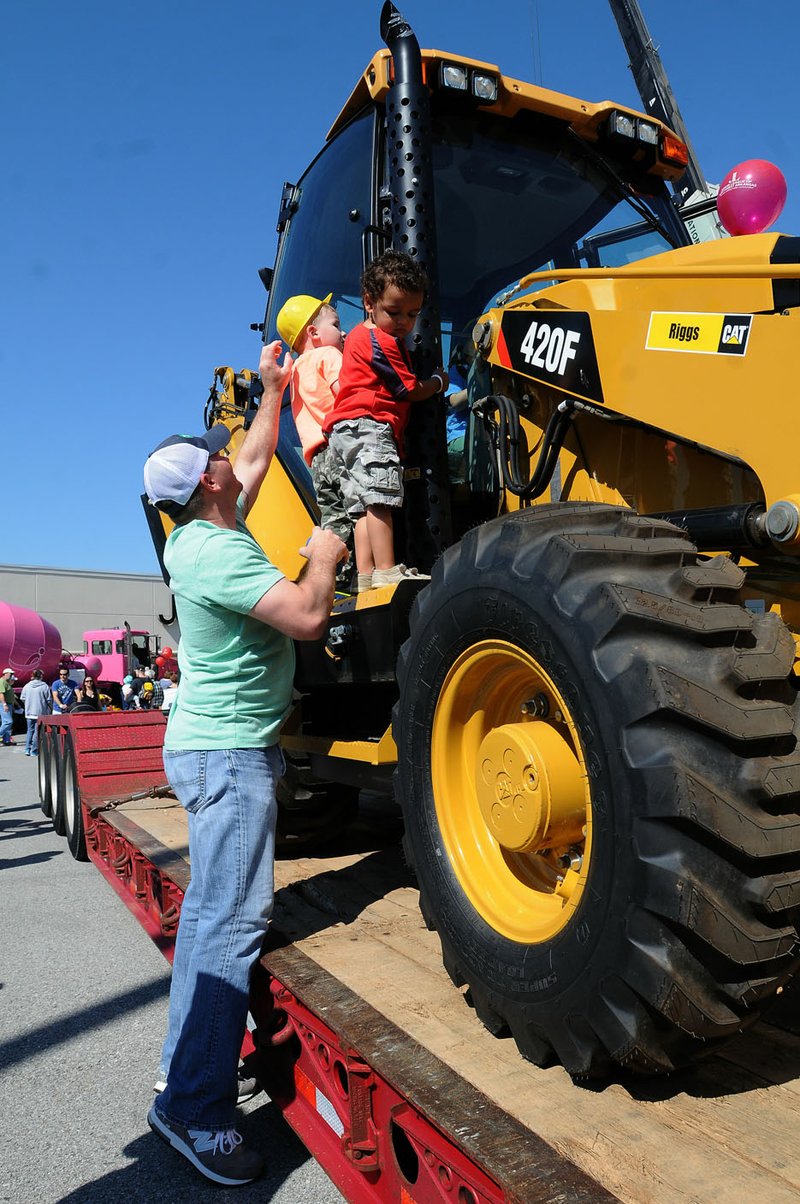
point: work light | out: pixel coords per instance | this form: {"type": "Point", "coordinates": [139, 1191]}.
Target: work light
{"type": "Point", "coordinates": [454, 76]}
{"type": "Point", "coordinates": [484, 88]}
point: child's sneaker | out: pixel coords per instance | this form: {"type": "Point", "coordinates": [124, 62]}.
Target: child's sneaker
{"type": "Point", "coordinates": [221, 1157]}
{"type": "Point", "coordinates": [398, 572]}
{"type": "Point", "coordinates": [364, 582]}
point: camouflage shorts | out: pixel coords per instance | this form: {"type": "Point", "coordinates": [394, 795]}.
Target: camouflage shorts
{"type": "Point", "coordinates": [366, 454]}
{"type": "Point", "coordinates": [332, 513]}
{"type": "Point", "coordinates": [328, 487]}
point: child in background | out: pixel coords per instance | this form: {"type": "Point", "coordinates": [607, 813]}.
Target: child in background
{"type": "Point", "coordinates": [365, 427]}
{"type": "Point", "coordinates": [311, 328]}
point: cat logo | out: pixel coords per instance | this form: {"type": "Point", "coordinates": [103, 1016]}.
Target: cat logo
{"type": "Point", "coordinates": [699, 333]}
{"type": "Point", "coordinates": [735, 333]}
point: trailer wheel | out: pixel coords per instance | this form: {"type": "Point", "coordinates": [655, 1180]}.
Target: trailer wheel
{"type": "Point", "coordinates": [599, 772]}
{"type": "Point", "coordinates": [56, 793]}
{"type": "Point", "coordinates": [43, 767]}
{"type": "Point", "coordinates": [70, 796]}
{"type": "Point", "coordinates": [311, 812]}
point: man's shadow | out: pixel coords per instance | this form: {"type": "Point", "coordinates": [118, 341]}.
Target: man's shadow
{"type": "Point", "coordinates": [339, 896]}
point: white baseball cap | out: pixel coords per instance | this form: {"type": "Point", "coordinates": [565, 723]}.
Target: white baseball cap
{"type": "Point", "coordinates": [172, 472]}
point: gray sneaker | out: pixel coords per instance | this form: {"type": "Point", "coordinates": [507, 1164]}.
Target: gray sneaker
{"type": "Point", "coordinates": [221, 1157]}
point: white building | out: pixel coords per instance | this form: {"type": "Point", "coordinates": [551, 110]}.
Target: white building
{"type": "Point", "coordinates": [76, 600]}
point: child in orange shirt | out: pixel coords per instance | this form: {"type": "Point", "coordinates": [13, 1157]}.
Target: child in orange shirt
{"type": "Point", "coordinates": [311, 328]}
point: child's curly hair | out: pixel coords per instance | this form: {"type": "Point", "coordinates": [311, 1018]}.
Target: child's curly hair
{"type": "Point", "coordinates": [393, 267]}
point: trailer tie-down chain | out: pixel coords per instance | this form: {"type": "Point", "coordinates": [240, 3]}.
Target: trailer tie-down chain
{"type": "Point", "coordinates": [153, 792]}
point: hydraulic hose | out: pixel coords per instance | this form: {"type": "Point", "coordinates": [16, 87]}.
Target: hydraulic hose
{"type": "Point", "coordinates": [509, 434]}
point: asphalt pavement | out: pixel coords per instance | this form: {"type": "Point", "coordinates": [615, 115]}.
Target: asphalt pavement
{"type": "Point", "coordinates": [83, 1010]}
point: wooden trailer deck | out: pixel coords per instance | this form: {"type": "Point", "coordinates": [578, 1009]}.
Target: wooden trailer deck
{"type": "Point", "coordinates": [726, 1130]}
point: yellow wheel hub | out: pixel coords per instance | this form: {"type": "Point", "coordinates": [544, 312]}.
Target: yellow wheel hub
{"type": "Point", "coordinates": [530, 790]}
{"type": "Point", "coordinates": [511, 791]}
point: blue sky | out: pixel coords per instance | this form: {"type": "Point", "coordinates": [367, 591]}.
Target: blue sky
{"type": "Point", "coordinates": [145, 145]}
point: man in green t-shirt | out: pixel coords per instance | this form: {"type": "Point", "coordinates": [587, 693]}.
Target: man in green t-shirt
{"type": "Point", "coordinates": [238, 616]}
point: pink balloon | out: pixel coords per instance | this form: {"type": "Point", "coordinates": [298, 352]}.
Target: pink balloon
{"type": "Point", "coordinates": [751, 197]}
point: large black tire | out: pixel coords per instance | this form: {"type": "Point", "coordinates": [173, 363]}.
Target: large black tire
{"type": "Point", "coordinates": [70, 798]}
{"type": "Point", "coordinates": [56, 793]}
{"type": "Point", "coordinates": [674, 709]}
{"type": "Point", "coordinates": [311, 812]}
{"type": "Point", "coordinates": [43, 767]}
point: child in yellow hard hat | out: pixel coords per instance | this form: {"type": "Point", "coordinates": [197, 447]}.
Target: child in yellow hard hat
{"type": "Point", "coordinates": [311, 328]}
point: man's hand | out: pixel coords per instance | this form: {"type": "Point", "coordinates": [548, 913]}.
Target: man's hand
{"type": "Point", "coordinates": [255, 454]}
{"type": "Point", "coordinates": [274, 374]}
{"type": "Point", "coordinates": [325, 546]}
{"type": "Point", "coordinates": [300, 609]}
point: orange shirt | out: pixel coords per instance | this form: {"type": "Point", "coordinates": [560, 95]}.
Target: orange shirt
{"type": "Point", "coordinates": [313, 375]}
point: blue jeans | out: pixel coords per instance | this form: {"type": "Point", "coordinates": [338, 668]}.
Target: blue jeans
{"type": "Point", "coordinates": [6, 724]}
{"type": "Point", "coordinates": [229, 795]}
{"type": "Point", "coordinates": [32, 737]}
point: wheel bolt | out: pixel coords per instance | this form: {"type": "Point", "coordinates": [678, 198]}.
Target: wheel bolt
{"type": "Point", "coordinates": [538, 706]}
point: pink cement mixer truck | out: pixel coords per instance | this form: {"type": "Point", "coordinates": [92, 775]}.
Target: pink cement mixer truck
{"type": "Point", "coordinates": [28, 641]}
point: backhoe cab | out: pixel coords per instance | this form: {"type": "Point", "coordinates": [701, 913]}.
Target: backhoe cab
{"type": "Point", "coordinates": [591, 727]}
{"type": "Point", "coordinates": [483, 178]}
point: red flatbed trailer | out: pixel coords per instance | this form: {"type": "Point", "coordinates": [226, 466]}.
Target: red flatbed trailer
{"type": "Point", "coordinates": [373, 1057]}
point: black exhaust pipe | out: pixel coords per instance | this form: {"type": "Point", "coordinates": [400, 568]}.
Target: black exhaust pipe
{"type": "Point", "coordinates": [428, 528]}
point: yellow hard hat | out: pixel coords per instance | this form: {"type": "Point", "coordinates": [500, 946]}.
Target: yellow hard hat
{"type": "Point", "coordinates": [295, 315]}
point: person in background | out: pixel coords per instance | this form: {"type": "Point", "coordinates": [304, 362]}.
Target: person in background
{"type": "Point", "coordinates": [88, 696]}
{"type": "Point", "coordinates": [170, 691]}
{"type": "Point", "coordinates": [7, 706]}
{"type": "Point", "coordinates": [157, 692]}
{"type": "Point", "coordinates": [137, 682]}
{"type": "Point", "coordinates": [457, 420]}
{"type": "Point", "coordinates": [127, 692]}
{"type": "Point", "coordinates": [65, 692]}
{"type": "Point", "coordinates": [37, 700]}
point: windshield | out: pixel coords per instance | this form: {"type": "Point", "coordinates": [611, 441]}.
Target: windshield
{"type": "Point", "coordinates": [321, 250]}
{"type": "Point", "coordinates": [513, 196]}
